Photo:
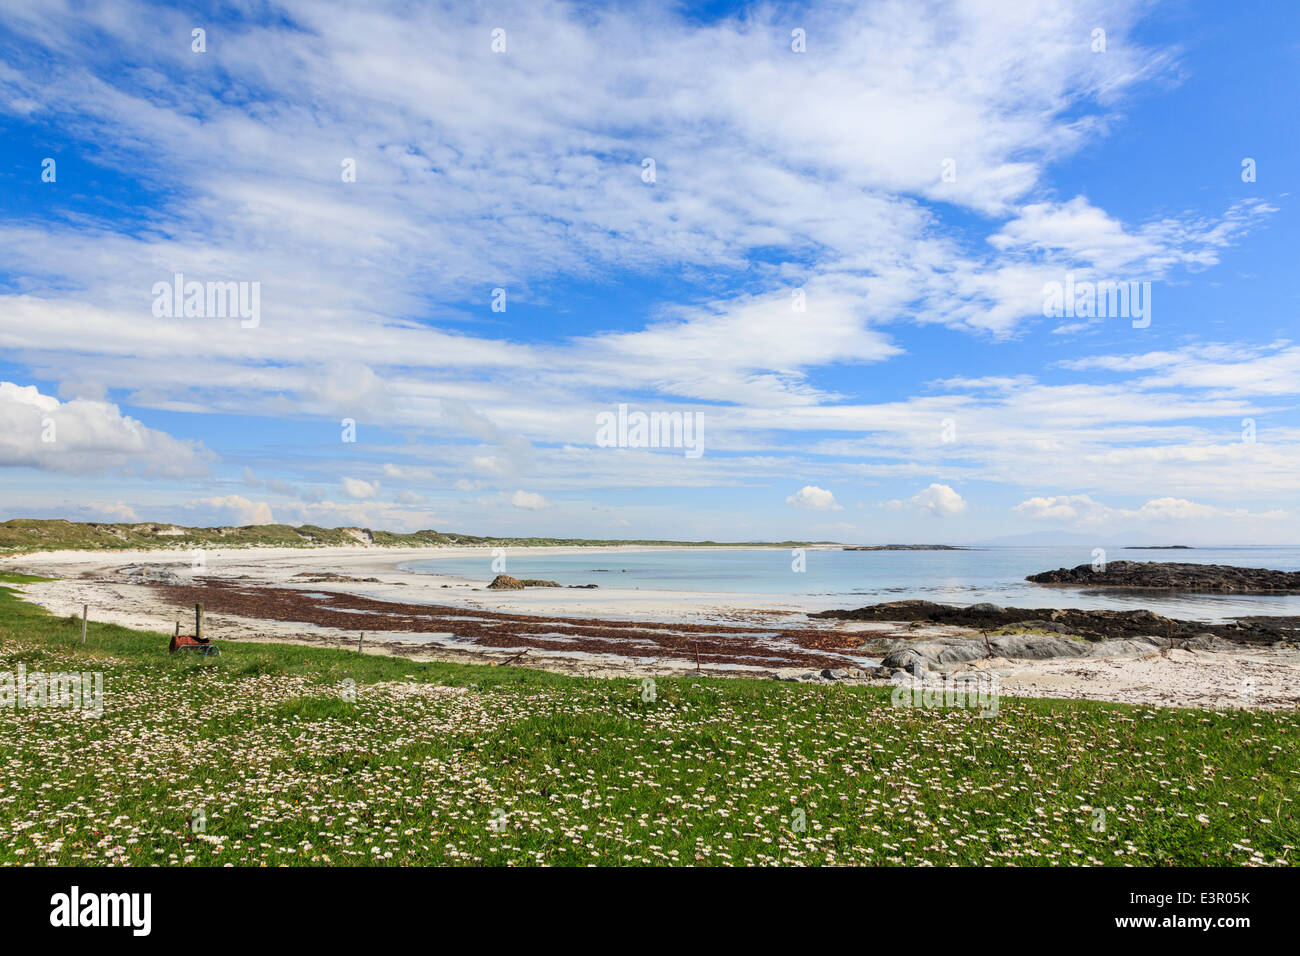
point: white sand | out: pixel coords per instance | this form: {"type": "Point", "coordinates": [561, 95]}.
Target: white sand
{"type": "Point", "coordinates": [1230, 678]}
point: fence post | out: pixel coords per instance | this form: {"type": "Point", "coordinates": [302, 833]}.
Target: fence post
{"type": "Point", "coordinates": [359, 640]}
{"type": "Point", "coordinates": [85, 609]}
{"type": "Point", "coordinates": [198, 623]}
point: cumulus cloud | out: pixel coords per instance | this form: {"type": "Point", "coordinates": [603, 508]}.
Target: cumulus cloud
{"type": "Point", "coordinates": [356, 488]}
{"type": "Point", "coordinates": [115, 511]}
{"type": "Point", "coordinates": [364, 514]}
{"type": "Point", "coordinates": [937, 500]}
{"type": "Point", "coordinates": [813, 498]}
{"type": "Point", "coordinates": [86, 437]}
{"type": "Point", "coordinates": [1067, 508]}
{"type": "Point", "coordinates": [528, 500]}
{"type": "Point", "coordinates": [239, 510]}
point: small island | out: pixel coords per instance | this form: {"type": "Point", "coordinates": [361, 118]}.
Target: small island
{"type": "Point", "coordinates": [904, 547]}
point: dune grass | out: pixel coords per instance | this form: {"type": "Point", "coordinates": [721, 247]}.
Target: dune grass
{"type": "Point", "coordinates": [283, 754]}
{"type": "Point", "coordinates": [21, 535]}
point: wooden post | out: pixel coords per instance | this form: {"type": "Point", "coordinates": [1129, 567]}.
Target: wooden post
{"type": "Point", "coordinates": [85, 609]}
{"type": "Point", "coordinates": [198, 623]}
{"type": "Point", "coordinates": [359, 640]}
{"type": "Point", "coordinates": [697, 657]}
{"type": "Point", "coordinates": [176, 631]}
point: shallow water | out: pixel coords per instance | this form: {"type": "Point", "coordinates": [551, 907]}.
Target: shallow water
{"type": "Point", "coordinates": [869, 577]}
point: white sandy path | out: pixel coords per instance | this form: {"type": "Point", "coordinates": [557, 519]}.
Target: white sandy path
{"type": "Point", "coordinates": [1230, 678]}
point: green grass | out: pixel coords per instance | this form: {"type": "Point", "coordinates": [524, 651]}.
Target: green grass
{"type": "Point", "coordinates": [299, 755]}
{"type": "Point", "coordinates": [21, 535]}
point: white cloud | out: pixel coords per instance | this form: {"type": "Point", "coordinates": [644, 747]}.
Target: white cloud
{"type": "Point", "coordinates": [814, 498]}
{"type": "Point", "coordinates": [88, 437]}
{"type": "Point", "coordinates": [1083, 511]}
{"type": "Point", "coordinates": [1068, 508]}
{"type": "Point", "coordinates": [1079, 232]}
{"type": "Point", "coordinates": [369, 514]}
{"type": "Point", "coordinates": [528, 500]}
{"type": "Point", "coordinates": [752, 155]}
{"type": "Point", "coordinates": [239, 510]}
{"type": "Point", "coordinates": [356, 488]}
{"type": "Point", "coordinates": [116, 511]}
{"type": "Point", "coordinates": [1238, 370]}
{"type": "Point", "coordinates": [937, 500]}
{"type": "Point", "coordinates": [522, 169]}
{"type": "Point", "coordinates": [408, 472]}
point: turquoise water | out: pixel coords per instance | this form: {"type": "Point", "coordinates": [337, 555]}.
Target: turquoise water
{"type": "Point", "coordinates": [853, 578]}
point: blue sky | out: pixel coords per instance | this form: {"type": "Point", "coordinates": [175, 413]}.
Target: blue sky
{"type": "Point", "coordinates": [920, 174]}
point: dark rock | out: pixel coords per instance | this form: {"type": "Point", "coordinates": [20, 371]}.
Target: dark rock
{"type": "Point", "coordinates": [504, 582]}
{"type": "Point", "coordinates": [1091, 625]}
{"type": "Point", "coordinates": [1172, 576]}
{"type": "Point", "coordinates": [1045, 626]}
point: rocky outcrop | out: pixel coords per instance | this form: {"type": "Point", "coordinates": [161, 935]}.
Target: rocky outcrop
{"type": "Point", "coordinates": [504, 582]}
{"type": "Point", "coordinates": [149, 574]}
{"type": "Point", "coordinates": [1173, 576]}
{"type": "Point", "coordinates": [939, 653]}
{"type": "Point", "coordinates": [1097, 625]}
{"type": "Point", "coordinates": [957, 650]}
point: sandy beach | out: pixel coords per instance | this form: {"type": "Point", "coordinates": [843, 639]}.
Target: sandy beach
{"type": "Point", "coordinates": [329, 596]}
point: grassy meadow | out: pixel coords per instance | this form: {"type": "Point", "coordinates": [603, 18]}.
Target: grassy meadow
{"type": "Point", "coordinates": [281, 754]}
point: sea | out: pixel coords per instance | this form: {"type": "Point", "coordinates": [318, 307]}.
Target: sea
{"type": "Point", "coordinates": [838, 578]}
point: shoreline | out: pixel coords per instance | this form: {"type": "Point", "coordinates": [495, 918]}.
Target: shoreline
{"type": "Point", "coordinates": [269, 595]}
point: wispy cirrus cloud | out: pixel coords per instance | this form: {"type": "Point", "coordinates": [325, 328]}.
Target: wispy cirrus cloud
{"type": "Point", "coordinates": [800, 236]}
